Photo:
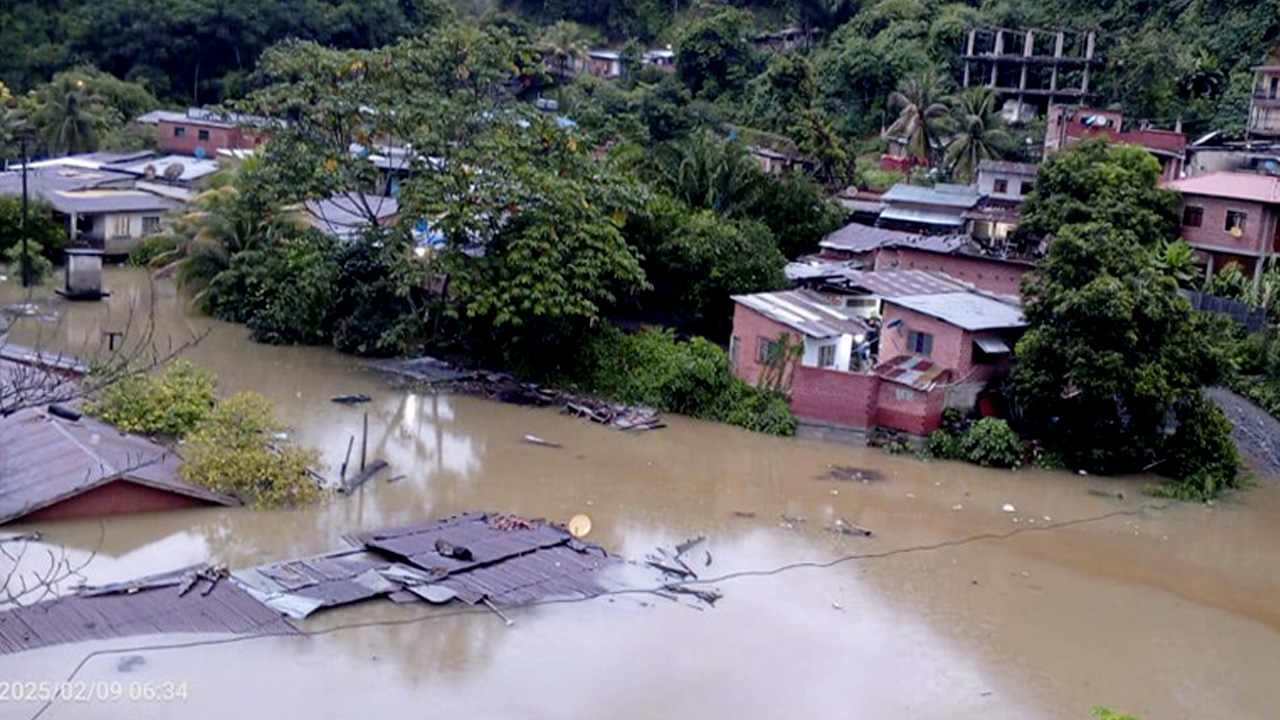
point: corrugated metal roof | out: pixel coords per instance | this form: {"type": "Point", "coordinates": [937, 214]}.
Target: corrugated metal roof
{"type": "Point", "coordinates": [45, 460]}
{"type": "Point", "coordinates": [45, 182]}
{"type": "Point", "coordinates": [805, 312]}
{"type": "Point", "coordinates": [506, 560]}
{"type": "Point", "coordinates": [1012, 168]}
{"type": "Point", "coordinates": [899, 283]}
{"type": "Point", "coordinates": [1231, 185]}
{"type": "Point", "coordinates": [922, 217]}
{"type": "Point", "coordinates": [914, 371]}
{"type": "Point", "coordinates": [815, 269]}
{"type": "Point", "coordinates": [993, 346]}
{"type": "Point", "coordinates": [154, 605]}
{"type": "Point", "coordinates": [298, 588]}
{"type": "Point", "coordinates": [941, 195]}
{"type": "Point", "coordinates": [103, 200]}
{"type": "Point", "coordinates": [856, 237]}
{"type": "Point", "coordinates": [965, 310]}
{"type": "Point", "coordinates": [346, 214]}
{"type": "Point", "coordinates": [192, 168]}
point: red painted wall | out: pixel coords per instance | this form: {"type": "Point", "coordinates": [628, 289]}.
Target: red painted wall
{"type": "Point", "coordinates": [219, 138]}
{"type": "Point", "coordinates": [114, 498]}
{"type": "Point", "coordinates": [832, 396]}
{"type": "Point", "coordinates": [989, 274]}
{"type": "Point", "coordinates": [952, 347]}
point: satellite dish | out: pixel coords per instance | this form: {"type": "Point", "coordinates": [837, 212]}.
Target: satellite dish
{"type": "Point", "coordinates": [200, 153]}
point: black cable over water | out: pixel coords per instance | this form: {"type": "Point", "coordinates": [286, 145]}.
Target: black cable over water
{"type": "Point", "coordinates": [789, 567]}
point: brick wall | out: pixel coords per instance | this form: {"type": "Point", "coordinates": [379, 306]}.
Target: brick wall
{"type": "Point", "coordinates": [832, 396]}
{"type": "Point", "coordinates": [219, 138]}
{"type": "Point", "coordinates": [749, 327]}
{"type": "Point", "coordinates": [909, 410]}
{"type": "Point", "coordinates": [991, 275]}
{"type": "Point", "coordinates": [1259, 228]}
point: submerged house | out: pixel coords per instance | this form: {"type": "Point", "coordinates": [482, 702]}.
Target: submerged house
{"type": "Point", "coordinates": [57, 466]}
{"type": "Point", "coordinates": [937, 348]}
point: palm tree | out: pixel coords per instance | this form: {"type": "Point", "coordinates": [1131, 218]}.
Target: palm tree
{"type": "Point", "coordinates": [921, 100]}
{"type": "Point", "coordinates": [979, 132]}
{"type": "Point", "coordinates": [707, 172]}
{"type": "Point", "coordinates": [69, 116]}
{"type": "Point", "coordinates": [565, 45]}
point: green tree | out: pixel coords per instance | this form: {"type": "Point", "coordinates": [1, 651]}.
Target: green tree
{"type": "Point", "coordinates": [234, 451]}
{"type": "Point", "coordinates": [782, 92]}
{"type": "Point", "coordinates": [713, 56]}
{"type": "Point", "coordinates": [565, 45]}
{"type": "Point", "coordinates": [707, 172]}
{"type": "Point", "coordinates": [922, 114]}
{"type": "Point", "coordinates": [70, 117]}
{"type": "Point", "coordinates": [979, 133]}
{"type": "Point", "coordinates": [171, 403]}
{"type": "Point", "coordinates": [42, 229]}
{"type": "Point", "coordinates": [1110, 371]}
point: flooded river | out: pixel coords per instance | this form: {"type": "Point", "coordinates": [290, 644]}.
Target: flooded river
{"type": "Point", "coordinates": [1167, 613]}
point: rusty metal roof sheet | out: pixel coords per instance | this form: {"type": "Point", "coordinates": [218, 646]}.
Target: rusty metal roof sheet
{"type": "Point", "coordinates": [915, 371]}
{"type": "Point", "coordinates": [45, 460]}
{"type": "Point", "coordinates": [155, 605]}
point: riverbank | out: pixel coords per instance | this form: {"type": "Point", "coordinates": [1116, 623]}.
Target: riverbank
{"type": "Point", "coordinates": [1255, 431]}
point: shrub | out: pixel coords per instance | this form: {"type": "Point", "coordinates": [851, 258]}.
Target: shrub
{"type": "Point", "coordinates": [943, 445]}
{"type": "Point", "coordinates": [171, 403]}
{"type": "Point", "coordinates": [990, 442]}
{"type": "Point", "coordinates": [230, 452]}
{"type": "Point", "coordinates": [41, 266]}
{"type": "Point", "coordinates": [691, 377]}
{"type": "Point", "coordinates": [152, 247]}
{"type": "Point", "coordinates": [1201, 454]}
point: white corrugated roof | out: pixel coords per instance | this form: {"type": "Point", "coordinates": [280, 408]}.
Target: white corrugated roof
{"type": "Point", "coordinates": [804, 312]}
{"type": "Point", "coordinates": [966, 310]}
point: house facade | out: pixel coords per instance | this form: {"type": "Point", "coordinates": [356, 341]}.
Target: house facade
{"type": "Point", "coordinates": [1068, 125]}
{"type": "Point", "coordinates": [1231, 217]}
{"type": "Point", "coordinates": [940, 352]}
{"type": "Point", "coordinates": [1264, 108]}
{"type": "Point", "coordinates": [202, 133]}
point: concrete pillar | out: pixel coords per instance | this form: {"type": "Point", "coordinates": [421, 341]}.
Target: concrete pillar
{"type": "Point", "coordinates": [1053, 79]}
{"type": "Point", "coordinates": [72, 221]}
{"type": "Point", "coordinates": [1208, 268]}
{"type": "Point", "coordinates": [1090, 38]}
{"type": "Point", "coordinates": [973, 40]}
{"type": "Point", "coordinates": [1030, 44]}
{"type": "Point", "coordinates": [1258, 265]}
{"type": "Point", "coordinates": [1059, 44]}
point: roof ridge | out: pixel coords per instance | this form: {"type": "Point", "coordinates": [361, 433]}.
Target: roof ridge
{"type": "Point", "coordinates": [87, 451]}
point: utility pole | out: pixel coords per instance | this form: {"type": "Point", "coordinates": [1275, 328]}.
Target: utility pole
{"type": "Point", "coordinates": [26, 253]}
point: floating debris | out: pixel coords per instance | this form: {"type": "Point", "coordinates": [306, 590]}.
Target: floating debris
{"type": "Point", "coordinates": [848, 473]}
{"type": "Point", "coordinates": [790, 523]}
{"type": "Point", "coordinates": [1007, 507]}
{"type": "Point", "coordinates": [535, 440]}
{"type": "Point", "coordinates": [351, 399]}
{"type": "Point", "coordinates": [844, 527]}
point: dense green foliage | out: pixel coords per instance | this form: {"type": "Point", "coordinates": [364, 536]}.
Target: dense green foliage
{"type": "Point", "coordinates": [171, 403]}
{"type": "Point", "coordinates": [988, 442]}
{"type": "Point", "coordinates": [691, 377]}
{"type": "Point", "coordinates": [232, 452]}
{"type": "Point", "coordinates": [1111, 369]}
{"type": "Point", "coordinates": [48, 233]}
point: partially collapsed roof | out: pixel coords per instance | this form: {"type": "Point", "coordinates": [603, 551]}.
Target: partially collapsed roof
{"type": "Point", "coordinates": [45, 460]}
{"type": "Point", "coordinates": [914, 371]}
{"type": "Point", "coordinates": [805, 312]}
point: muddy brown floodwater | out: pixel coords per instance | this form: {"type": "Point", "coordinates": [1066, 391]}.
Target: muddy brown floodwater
{"type": "Point", "coordinates": [1166, 613]}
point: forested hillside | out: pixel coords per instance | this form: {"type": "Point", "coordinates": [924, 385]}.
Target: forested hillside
{"type": "Point", "coordinates": [1167, 58]}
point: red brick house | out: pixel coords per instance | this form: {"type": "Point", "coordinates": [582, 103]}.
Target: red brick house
{"type": "Point", "coordinates": [202, 133]}
{"type": "Point", "coordinates": [1231, 217]}
{"type": "Point", "coordinates": [1069, 124]}
{"type": "Point", "coordinates": [941, 350]}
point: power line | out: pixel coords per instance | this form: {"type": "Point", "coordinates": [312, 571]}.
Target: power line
{"type": "Point", "coordinates": [726, 577]}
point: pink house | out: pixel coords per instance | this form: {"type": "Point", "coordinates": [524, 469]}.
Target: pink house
{"type": "Point", "coordinates": [1231, 217]}
{"type": "Point", "coordinates": [941, 350]}
{"type": "Point", "coordinates": [1069, 124]}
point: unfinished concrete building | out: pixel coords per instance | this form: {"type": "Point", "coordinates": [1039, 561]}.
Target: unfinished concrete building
{"type": "Point", "coordinates": [1030, 69]}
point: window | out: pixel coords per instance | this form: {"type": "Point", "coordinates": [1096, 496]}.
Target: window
{"type": "Point", "coordinates": [1026, 187]}
{"type": "Point", "coordinates": [1236, 219]}
{"type": "Point", "coordinates": [919, 343]}
{"type": "Point", "coordinates": [867, 302]}
{"type": "Point", "coordinates": [827, 356]}
{"type": "Point", "coordinates": [766, 351]}
{"type": "Point", "coordinates": [1275, 85]}
{"type": "Point", "coordinates": [1002, 186]}
{"type": "Point", "coordinates": [179, 131]}
{"type": "Point", "coordinates": [150, 223]}
{"type": "Point", "coordinates": [123, 225]}
{"type": "Point", "coordinates": [1192, 216]}
{"type": "Point", "coordinates": [202, 134]}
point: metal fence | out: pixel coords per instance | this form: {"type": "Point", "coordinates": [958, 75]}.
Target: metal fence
{"type": "Point", "coordinates": [1252, 319]}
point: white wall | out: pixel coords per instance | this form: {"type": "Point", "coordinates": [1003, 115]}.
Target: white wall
{"type": "Point", "coordinates": [844, 348]}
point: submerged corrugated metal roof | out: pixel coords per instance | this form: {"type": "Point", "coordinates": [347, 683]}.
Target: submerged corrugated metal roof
{"type": "Point", "coordinates": [805, 312]}
{"type": "Point", "coordinates": [45, 460]}
{"type": "Point", "coordinates": [299, 587]}
{"type": "Point", "coordinates": [145, 607]}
